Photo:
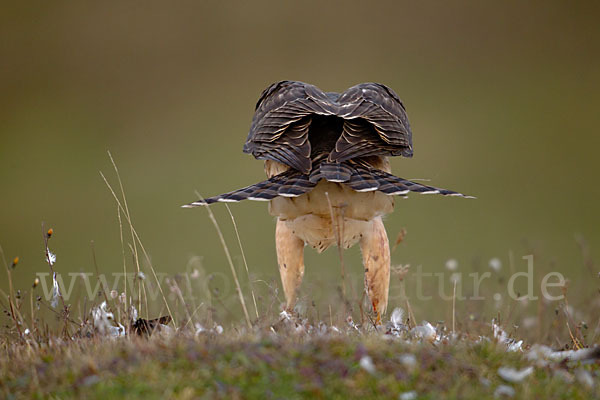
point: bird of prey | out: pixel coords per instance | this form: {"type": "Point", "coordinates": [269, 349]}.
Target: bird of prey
{"type": "Point", "coordinates": [329, 178]}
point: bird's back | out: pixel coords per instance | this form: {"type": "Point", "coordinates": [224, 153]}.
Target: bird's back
{"type": "Point", "coordinates": [315, 142]}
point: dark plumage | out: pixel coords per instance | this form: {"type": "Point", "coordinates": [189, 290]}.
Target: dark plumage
{"type": "Point", "coordinates": [365, 120]}
{"type": "Point", "coordinates": [327, 136]}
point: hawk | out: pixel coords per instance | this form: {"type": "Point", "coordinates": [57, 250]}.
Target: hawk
{"type": "Point", "coordinates": [329, 178]}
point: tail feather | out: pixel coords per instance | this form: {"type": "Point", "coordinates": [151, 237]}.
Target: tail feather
{"type": "Point", "coordinates": [294, 183]}
{"type": "Point", "coordinates": [389, 186]}
{"type": "Point", "coordinates": [315, 175]}
{"type": "Point", "coordinates": [403, 186]}
{"type": "Point", "coordinates": [288, 185]}
{"type": "Point", "coordinates": [336, 172]}
{"type": "Point", "coordinates": [363, 180]}
{"type": "Point", "coordinates": [295, 186]}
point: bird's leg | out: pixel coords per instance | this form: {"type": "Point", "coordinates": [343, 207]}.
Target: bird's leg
{"type": "Point", "coordinates": [375, 249]}
{"type": "Point", "coordinates": [290, 257]}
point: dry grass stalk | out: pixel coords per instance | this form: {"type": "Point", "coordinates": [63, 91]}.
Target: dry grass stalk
{"type": "Point", "coordinates": [237, 234]}
{"type": "Point", "coordinates": [338, 238]}
{"type": "Point", "coordinates": [126, 301]}
{"type": "Point", "coordinates": [11, 294]}
{"type": "Point", "coordinates": [230, 261]}
{"type": "Point", "coordinates": [128, 216]}
{"type": "Point", "coordinates": [135, 237]}
{"type": "Point", "coordinates": [454, 309]}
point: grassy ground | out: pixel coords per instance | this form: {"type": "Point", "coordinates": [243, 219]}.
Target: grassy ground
{"type": "Point", "coordinates": [286, 362]}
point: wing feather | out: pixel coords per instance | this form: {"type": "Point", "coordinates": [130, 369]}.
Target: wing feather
{"type": "Point", "coordinates": [360, 139]}
{"type": "Point", "coordinates": [382, 110]}
{"type": "Point", "coordinates": [281, 122]}
{"type": "Point", "coordinates": [375, 123]}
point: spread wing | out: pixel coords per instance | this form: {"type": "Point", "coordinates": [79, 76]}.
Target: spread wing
{"type": "Point", "coordinates": [366, 120]}
{"type": "Point", "coordinates": [281, 122]}
{"type": "Point", "coordinates": [375, 123]}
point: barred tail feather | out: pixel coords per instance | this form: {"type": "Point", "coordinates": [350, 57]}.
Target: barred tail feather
{"type": "Point", "coordinates": [393, 185]}
{"type": "Point", "coordinates": [293, 184]}
{"type": "Point", "coordinates": [364, 179]}
{"type": "Point", "coordinates": [287, 185]}
{"type": "Point", "coordinates": [335, 172]}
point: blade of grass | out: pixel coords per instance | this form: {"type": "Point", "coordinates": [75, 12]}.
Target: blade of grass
{"type": "Point", "coordinates": [128, 215]}
{"type": "Point", "coordinates": [237, 234]}
{"type": "Point", "coordinates": [100, 283]}
{"type": "Point", "coordinates": [229, 260]}
{"type": "Point", "coordinates": [136, 237]}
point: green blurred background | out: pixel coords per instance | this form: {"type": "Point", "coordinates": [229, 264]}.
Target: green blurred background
{"type": "Point", "coordinates": [503, 99]}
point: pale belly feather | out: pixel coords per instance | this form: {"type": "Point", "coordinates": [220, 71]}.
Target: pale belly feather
{"type": "Point", "coordinates": [310, 216]}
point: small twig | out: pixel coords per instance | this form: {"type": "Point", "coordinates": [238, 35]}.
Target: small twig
{"type": "Point", "coordinates": [578, 344]}
{"type": "Point", "coordinates": [11, 294]}
{"type": "Point", "coordinates": [192, 316]}
{"type": "Point", "coordinates": [410, 314]}
{"type": "Point", "coordinates": [399, 238]}
{"type": "Point", "coordinates": [573, 339]}
{"type": "Point", "coordinates": [58, 314]}
{"type": "Point", "coordinates": [373, 322]}
{"type": "Point", "coordinates": [33, 324]}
